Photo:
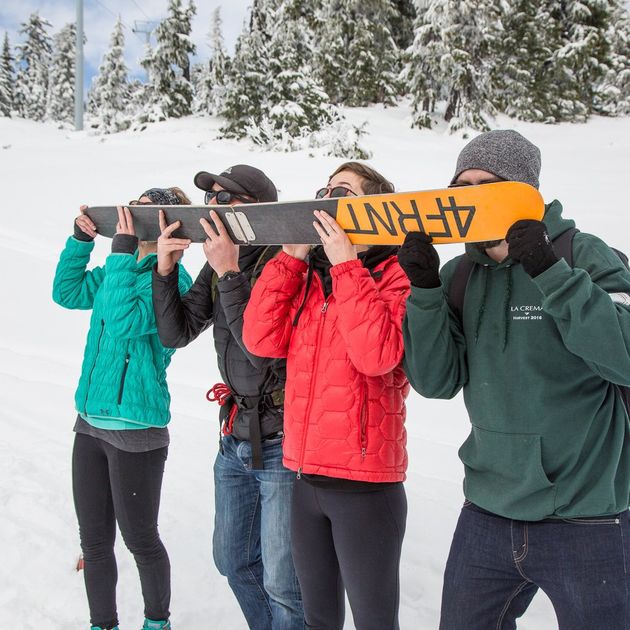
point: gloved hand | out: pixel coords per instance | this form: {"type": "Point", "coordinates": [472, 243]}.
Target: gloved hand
{"type": "Point", "coordinates": [529, 244]}
{"type": "Point", "coordinates": [420, 261]}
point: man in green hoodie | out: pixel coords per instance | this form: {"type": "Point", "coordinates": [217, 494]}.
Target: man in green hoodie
{"type": "Point", "coordinates": [539, 350]}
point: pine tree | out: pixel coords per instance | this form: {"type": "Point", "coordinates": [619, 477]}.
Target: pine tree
{"type": "Point", "coordinates": [246, 87]}
{"type": "Point", "coordinates": [109, 97]}
{"type": "Point", "coordinates": [357, 59]}
{"type": "Point", "coordinates": [60, 105]}
{"type": "Point", "coordinates": [169, 93]}
{"type": "Point", "coordinates": [31, 87]}
{"type": "Point", "coordinates": [7, 98]}
{"type": "Point", "coordinates": [581, 59]}
{"type": "Point", "coordinates": [454, 56]}
{"type": "Point", "coordinates": [401, 23]}
{"type": "Point", "coordinates": [525, 78]}
{"type": "Point", "coordinates": [612, 93]}
{"type": "Point", "coordinates": [296, 103]}
{"type": "Point", "coordinates": [211, 78]}
{"type": "Point", "coordinates": [427, 45]}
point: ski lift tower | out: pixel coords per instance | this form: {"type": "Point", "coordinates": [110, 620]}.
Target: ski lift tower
{"type": "Point", "coordinates": [78, 70]}
{"type": "Point", "coordinates": [144, 27]}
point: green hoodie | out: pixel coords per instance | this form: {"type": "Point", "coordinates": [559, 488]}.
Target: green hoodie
{"type": "Point", "coordinates": [537, 360]}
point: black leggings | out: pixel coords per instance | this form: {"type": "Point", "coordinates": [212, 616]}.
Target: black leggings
{"type": "Point", "coordinates": [353, 540]}
{"type": "Point", "coordinates": [111, 485]}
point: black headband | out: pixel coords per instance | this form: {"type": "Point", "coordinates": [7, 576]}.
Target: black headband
{"type": "Point", "coordinates": [162, 196]}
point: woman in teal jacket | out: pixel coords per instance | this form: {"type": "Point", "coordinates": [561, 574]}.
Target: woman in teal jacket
{"type": "Point", "coordinates": [122, 400]}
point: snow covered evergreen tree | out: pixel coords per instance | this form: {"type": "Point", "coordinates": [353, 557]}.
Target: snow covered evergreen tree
{"type": "Point", "coordinates": [109, 97]}
{"type": "Point", "coordinates": [426, 47]}
{"type": "Point", "coordinates": [525, 79]}
{"type": "Point", "coordinates": [210, 78]}
{"type": "Point", "coordinates": [401, 23]}
{"type": "Point", "coordinates": [454, 56]}
{"type": "Point", "coordinates": [581, 59]}
{"type": "Point", "coordinates": [60, 105]}
{"type": "Point", "coordinates": [357, 59]}
{"type": "Point", "coordinates": [246, 95]}
{"type": "Point", "coordinates": [169, 91]}
{"type": "Point", "coordinates": [612, 93]}
{"type": "Point", "coordinates": [7, 103]}
{"type": "Point", "coordinates": [295, 103]}
{"type": "Point", "coordinates": [33, 61]}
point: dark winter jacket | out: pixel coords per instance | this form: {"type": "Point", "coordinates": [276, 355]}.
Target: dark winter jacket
{"type": "Point", "coordinates": [538, 360]}
{"type": "Point", "coordinates": [221, 304]}
{"type": "Point", "coordinates": [123, 377]}
{"type": "Point", "coordinates": [340, 329]}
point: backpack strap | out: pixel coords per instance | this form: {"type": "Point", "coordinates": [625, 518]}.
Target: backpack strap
{"type": "Point", "coordinates": [459, 282]}
{"type": "Point", "coordinates": [563, 245]}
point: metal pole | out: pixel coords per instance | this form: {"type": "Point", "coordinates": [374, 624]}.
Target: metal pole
{"type": "Point", "coordinates": [78, 70]}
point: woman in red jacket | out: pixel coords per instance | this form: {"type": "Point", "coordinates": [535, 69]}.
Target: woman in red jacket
{"type": "Point", "coordinates": [337, 319]}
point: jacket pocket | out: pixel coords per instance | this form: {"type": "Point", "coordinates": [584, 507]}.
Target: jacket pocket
{"type": "Point", "coordinates": [363, 419]}
{"type": "Point", "coordinates": [505, 475]}
{"type": "Point", "coordinates": [121, 387]}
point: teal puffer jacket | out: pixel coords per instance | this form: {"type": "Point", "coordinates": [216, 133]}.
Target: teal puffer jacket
{"type": "Point", "coordinates": [123, 378]}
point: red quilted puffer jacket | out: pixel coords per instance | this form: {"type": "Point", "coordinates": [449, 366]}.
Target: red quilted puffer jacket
{"type": "Point", "coordinates": [345, 390]}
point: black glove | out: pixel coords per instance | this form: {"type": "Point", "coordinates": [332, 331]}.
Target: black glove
{"type": "Point", "coordinates": [80, 235]}
{"type": "Point", "coordinates": [420, 261]}
{"type": "Point", "coordinates": [529, 244]}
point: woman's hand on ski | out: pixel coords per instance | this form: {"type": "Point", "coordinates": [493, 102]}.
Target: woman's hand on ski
{"type": "Point", "coordinates": [336, 243]}
{"type": "Point", "coordinates": [125, 222]}
{"type": "Point", "coordinates": [169, 249]}
{"type": "Point", "coordinates": [85, 224]}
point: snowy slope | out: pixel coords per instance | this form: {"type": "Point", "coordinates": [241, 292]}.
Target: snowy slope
{"type": "Point", "coordinates": [46, 174]}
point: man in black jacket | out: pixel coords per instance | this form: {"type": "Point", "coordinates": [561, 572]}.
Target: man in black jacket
{"type": "Point", "coordinates": [251, 544]}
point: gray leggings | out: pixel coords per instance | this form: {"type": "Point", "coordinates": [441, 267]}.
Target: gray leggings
{"type": "Point", "coordinates": [348, 540]}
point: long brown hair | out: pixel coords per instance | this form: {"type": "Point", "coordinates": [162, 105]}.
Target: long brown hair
{"type": "Point", "coordinates": [181, 195]}
{"type": "Point", "coordinates": [373, 182]}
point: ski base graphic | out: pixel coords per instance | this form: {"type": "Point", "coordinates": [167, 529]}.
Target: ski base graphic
{"type": "Point", "coordinates": [451, 215]}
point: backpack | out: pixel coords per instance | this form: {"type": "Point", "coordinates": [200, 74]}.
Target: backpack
{"type": "Point", "coordinates": [563, 246]}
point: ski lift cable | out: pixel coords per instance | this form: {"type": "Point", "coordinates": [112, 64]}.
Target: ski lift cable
{"type": "Point", "coordinates": [141, 10]}
{"type": "Point", "coordinates": [116, 15]}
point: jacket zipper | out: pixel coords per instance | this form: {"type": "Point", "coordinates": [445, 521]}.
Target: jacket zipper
{"type": "Point", "coordinates": [98, 350]}
{"type": "Point", "coordinates": [311, 393]}
{"type": "Point", "coordinates": [122, 380]}
{"type": "Point", "coordinates": [363, 418]}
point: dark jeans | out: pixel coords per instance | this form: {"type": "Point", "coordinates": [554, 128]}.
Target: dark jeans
{"type": "Point", "coordinates": [111, 485]}
{"type": "Point", "coordinates": [496, 566]}
{"type": "Point", "coordinates": [352, 540]}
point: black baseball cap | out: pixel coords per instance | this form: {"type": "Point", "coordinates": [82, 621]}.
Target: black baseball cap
{"type": "Point", "coordinates": [243, 179]}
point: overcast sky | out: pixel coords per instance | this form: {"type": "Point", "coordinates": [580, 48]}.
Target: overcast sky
{"type": "Point", "coordinates": [100, 15]}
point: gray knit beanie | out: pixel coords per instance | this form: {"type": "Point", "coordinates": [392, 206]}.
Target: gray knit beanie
{"type": "Point", "coordinates": [504, 153]}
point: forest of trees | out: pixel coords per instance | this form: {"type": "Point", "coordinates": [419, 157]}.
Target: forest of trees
{"type": "Point", "coordinates": [297, 62]}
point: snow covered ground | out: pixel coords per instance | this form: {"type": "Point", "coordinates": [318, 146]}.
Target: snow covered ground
{"type": "Point", "coordinates": [45, 174]}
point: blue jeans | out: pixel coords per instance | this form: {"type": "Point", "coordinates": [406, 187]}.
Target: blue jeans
{"type": "Point", "coordinates": [496, 566]}
{"type": "Point", "coordinates": [252, 542]}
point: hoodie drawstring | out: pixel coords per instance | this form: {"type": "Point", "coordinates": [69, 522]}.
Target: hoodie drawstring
{"type": "Point", "coordinates": [482, 308]}
{"type": "Point", "coordinates": [506, 307]}
{"type": "Point", "coordinates": [506, 304]}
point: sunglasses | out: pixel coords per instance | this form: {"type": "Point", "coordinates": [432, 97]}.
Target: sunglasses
{"type": "Point", "coordinates": [337, 191]}
{"type": "Point", "coordinates": [224, 197]}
